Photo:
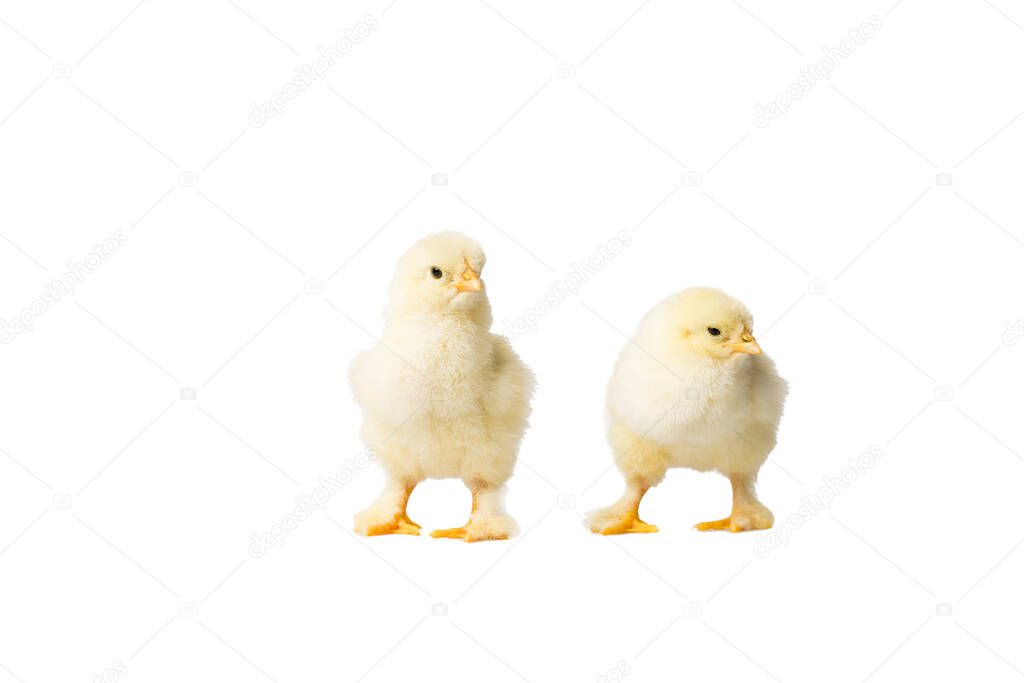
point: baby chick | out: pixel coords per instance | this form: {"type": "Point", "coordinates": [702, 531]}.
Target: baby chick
{"type": "Point", "coordinates": [692, 389]}
{"type": "Point", "coordinates": [441, 396]}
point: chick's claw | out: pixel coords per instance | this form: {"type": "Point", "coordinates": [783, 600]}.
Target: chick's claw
{"type": "Point", "coordinates": [456, 532]}
{"type": "Point", "coordinates": [628, 525]}
{"type": "Point", "coordinates": [481, 528]}
{"type": "Point", "coordinates": [466, 535]}
{"type": "Point", "coordinates": [739, 522]}
{"type": "Point", "coordinates": [401, 524]}
{"type": "Point", "coordinates": [718, 525]}
{"type": "Point", "coordinates": [380, 520]}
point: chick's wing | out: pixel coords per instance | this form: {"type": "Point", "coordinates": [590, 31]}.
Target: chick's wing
{"type": "Point", "coordinates": [510, 387]}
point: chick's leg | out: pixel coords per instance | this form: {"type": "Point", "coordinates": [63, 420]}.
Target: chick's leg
{"type": "Point", "coordinates": [387, 514]}
{"type": "Point", "coordinates": [488, 520]}
{"type": "Point", "coordinates": [748, 513]}
{"type": "Point", "coordinates": [624, 516]}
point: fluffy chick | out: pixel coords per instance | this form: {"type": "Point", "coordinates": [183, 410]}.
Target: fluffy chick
{"type": "Point", "coordinates": [441, 395]}
{"type": "Point", "coordinates": [692, 389]}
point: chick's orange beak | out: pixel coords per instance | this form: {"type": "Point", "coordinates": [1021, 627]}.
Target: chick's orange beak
{"type": "Point", "coordinates": [747, 345]}
{"type": "Point", "coordinates": [469, 281]}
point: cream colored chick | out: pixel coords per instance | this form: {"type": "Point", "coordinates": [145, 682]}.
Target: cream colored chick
{"type": "Point", "coordinates": [692, 389]}
{"type": "Point", "coordinates": [441, 396]}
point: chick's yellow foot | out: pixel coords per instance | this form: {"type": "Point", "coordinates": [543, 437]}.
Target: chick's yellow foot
{"type": "Point", "coordinates": [468, 536]}
{"type": "Point", "coordinates": [628, 524]}
{"type": "Point", "coordinates": [481, 527]}
{"type": "Point", "coordinates": [718, 525]}
{"type": "Point", "coordinates": [456, 532]}
{"type": "Point", "coordinates": [401, 524]}
{"type": "Point", "coordinates": [736, 523]}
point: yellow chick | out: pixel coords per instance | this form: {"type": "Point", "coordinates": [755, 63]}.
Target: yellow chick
{"type": "Point", "coordinates": [441, 395]}
{"type": "Point", "coordinates": [692, 389]}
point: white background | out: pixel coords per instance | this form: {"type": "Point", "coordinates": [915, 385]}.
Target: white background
{"type": "Point", "coordinates": [127, 512]}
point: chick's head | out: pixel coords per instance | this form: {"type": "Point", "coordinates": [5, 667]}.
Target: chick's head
{"type": "Point", "coordinates": [709, 323]}
{"type": "Point", "coordinates": [440, 274]}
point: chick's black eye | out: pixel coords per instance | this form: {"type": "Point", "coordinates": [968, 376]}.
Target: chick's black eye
{"type": "Point", "coordinates": [436, 273]}
{"type": "Point", "coordinates": [714, 331]}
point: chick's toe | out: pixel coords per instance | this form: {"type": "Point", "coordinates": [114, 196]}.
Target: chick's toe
{"type": "Point", "coordinates": [745, 520]}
